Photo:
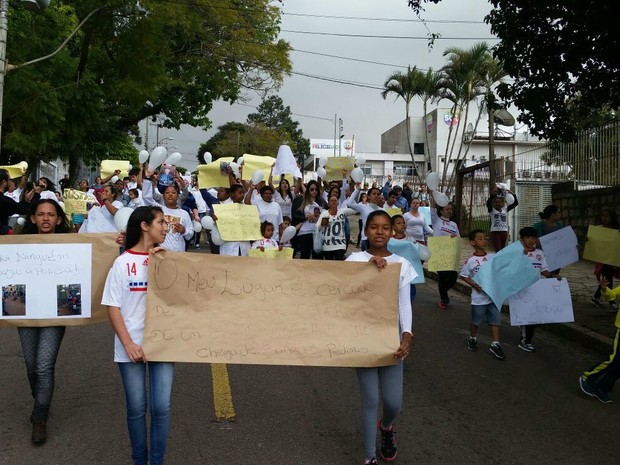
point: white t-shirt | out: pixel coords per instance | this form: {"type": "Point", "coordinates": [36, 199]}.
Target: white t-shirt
{"type": "Point", "coordinates": [201, 205]}
{"type": "Point", "coordinates": [416, 226]}
{"type": "Point", "coordinates": [176, 241]}
{"type": "Point", "coordinates": [538, 261]}
{"type": "Point", "coordinates": [333, 235]}
{"type": "Point", "coordinates": [499, 220]}
{"type": "Point", "coordinates": [364, 209]}
{"type": "Point", "coordinates": [469, 270]}
{"type": "Point", "coordinates": [125, 288]}
{"type": "Point", "coordinates": [285, 203]}
{"type": "Point", "coordinates": [265, 243]}
{"type": "Point", "coordinates": [443, 227]}
{"type": "Point", "coordinates": [308, 227]}
{"type": "Point", "coordinates": [15, 195]}
{"type": "Point", "coordinates": [407, 274]}
{"type": "Point", "coordinates": [269, 211]}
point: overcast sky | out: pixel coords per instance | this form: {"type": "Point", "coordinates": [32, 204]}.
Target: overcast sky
{"type": "Point", "coordinates": [365, 114]}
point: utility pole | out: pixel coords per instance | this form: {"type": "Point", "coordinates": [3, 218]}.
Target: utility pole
{"type": "Point", "coordinates": [340, 136]}
{"type": "Point", "coordinates": [491, 151]}
{"type": "Point", "coordinates": [335, 122]}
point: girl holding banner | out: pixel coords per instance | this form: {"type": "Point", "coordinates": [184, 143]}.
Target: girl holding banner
{"type": "Point", "coordinates": [40, 345]}
{"type": "Point", "coordinates": [387, 379]}
{"type": "Point", "coordinates": [125, 296]}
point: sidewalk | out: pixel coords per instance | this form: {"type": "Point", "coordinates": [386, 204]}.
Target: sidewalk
{"type": "Point", "coordinates": [593, 327]}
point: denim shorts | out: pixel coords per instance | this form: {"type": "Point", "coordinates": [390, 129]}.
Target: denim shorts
{"type": "Point", "coordinates": [488, 313]}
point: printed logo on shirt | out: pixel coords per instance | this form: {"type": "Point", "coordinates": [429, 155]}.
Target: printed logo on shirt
{"type": "Point", "coordinates": [138, 286]}
{"type": "Point", "coordinates": [145, 262]}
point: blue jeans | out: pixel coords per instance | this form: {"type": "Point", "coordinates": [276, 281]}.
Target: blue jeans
{"type": "Point", "coordinates": [161, 375]}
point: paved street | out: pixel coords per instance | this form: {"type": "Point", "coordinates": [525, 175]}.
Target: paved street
{"type": "Point", "coordinates": [460, 407]}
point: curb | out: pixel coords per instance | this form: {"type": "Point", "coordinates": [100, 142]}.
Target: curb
{"type": "Point", "coordinates": [571, 331]}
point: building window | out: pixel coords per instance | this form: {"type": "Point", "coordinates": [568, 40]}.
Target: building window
{"type": "Point", "coordinates": [403, 170]}
{"type": "Point", "coordinates": [418, 148]}
{"type": "Point", "coordinates": [366, 168]}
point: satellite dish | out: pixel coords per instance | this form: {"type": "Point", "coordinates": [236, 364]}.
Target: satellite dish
{"type": "Point", "coordinates": [469, 132]}
{"type": "Point", "coordinates": [503, 117]}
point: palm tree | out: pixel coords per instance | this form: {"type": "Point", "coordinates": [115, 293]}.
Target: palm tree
{"type": "Point", "coordinates": [431, 91]}
{"type": "Point", "coordinates": [406, 86]}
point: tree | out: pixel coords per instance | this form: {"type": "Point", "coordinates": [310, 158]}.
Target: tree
{"type": "Point", "coordinates": [123, 67]}
{"type": "Point", "coordinates": [274, 115]}
{"type": "Point", "coordinates": [407, 86]}
{"type": "Point", "coordinates": [234, 139]}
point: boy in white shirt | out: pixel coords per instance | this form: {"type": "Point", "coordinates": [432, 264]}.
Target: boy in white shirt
{"type": "Point", "coordinates": [482, 307]}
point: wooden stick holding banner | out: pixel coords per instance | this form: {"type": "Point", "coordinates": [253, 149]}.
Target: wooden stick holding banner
{"type": "Point", "coordinates": [217, 309]}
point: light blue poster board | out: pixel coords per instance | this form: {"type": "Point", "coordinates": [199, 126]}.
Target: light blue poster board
{"type": "Point", "coordinates": [409, 251]}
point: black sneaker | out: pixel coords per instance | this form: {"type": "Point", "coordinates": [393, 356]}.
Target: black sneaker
{"type": "Point", "coordinates": [472, 344]}
{"type": "Point", "coordinates": [372, 461]}
{"type": "Point", "coordinates": [496, 350]}
{"type": "Point", "coordinates": [388, 443]}
{"type": "Point", "coordinates": [39, 434]}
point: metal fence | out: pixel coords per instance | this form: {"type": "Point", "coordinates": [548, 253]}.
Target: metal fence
{"type": "Point", "coordinates": [592, 161]}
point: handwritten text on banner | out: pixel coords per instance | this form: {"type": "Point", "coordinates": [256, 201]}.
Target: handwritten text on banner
{"type": "Point", "coordinates": [238, 222]}
{"type": "Point", "coordinates": [560, 248]}
{"type": "Point", "coordinates": [445, 253]}
{"type": "Point", "coordinates": [545, 301]}
{"type": "Point", "coordinates": [216, 309]}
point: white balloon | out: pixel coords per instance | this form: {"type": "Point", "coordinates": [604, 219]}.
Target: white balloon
{"type": "Point", "coordinates": [207, 157]}
{"type": "Point", "coordinates": [432, 181]}
{"type": "Point", "coordinates": [321, 173]}
{"type": "Point", "coordinates": [502, 186]}
{"type": "Point", "coordinates": [424, 252]}
{"type": "Point", "coordinates": [21, 221]}
{"type": "Point", "coordinates": [240, 161]}
{"type": "Point", "coordinates": [360, 160]}
{"type": "Point", "coordinates": [207, 223]}
{"type": "Point", "coordinates": [158, 155]}
{"type": "Point", "coordinates": [130, 167]}
{"type": "Point", "coordinates": [323, 161]}
{"type": "Point", "coordinates": [197, 227]}
{"type": "Point", "coordinates": [288, 234]}
{"type": "Point", "coordinates": [114, 179]}
{"type": "Point", "coordinates": [174, 159]}
{"type": "Point", "coordinates": [510, 199]}
{"type": "Point", "coordinates": [257, 177]}
{"type": "Point", "coordinates": [357, 174]}
{"type": "Point", "coordinates": [441, 199]}
{"type": "Point", "coordinates": [235, 168]}
{"type": "Point", "coordinates": [215, 236]}
{"type": "Point", "coordinates": [143, 156]}
{"type": "Point", "coordinates": [121, 217]}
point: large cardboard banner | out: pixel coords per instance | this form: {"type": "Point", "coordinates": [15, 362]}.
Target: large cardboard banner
{"type": "Point", "coordinates": [445, 253]}
{"type": "Point", "coordinates": [602, 245]}
{"type": "Point", "coordinates": [76, 201]}
{"type": "Point", "coordinates": [335, 165]}
{"type": "Point", "coordinates": [108, 167]}
{"type": "Point", "coordinates": [506, 273]}
{"type": "Point", "coordinates": [237, 222]}
{"type": "Point", "coordinates": [286, 253]}
{"type": "Point", "coordinates": [56, 279]}
{"type": "Point", "coordinates": [251, 163]}
{"type": "Point", "coordinates": [211, 175]}
{"type": "Point", "coordinates": [560, 248]}
{"type": "Point", "coordinates": [15, 171]}
{"type": "Point", "coordinates": [545, 301]}
{"type": "Point", "coordinates": [217, 309]}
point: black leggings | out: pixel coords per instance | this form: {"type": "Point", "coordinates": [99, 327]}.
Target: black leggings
{"type": "Point", "coordinates": [305, 242]}
{"type": "Point", "coordinates": [446, 281]}
{"type": "Point", "coordinates": [334, 254]}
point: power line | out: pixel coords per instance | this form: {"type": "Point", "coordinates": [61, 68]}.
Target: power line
{"type": "Point", "coordinates": [339, 81]}
{"type": "Point", "coordinates": [352, 59]}
{"type": "Point", "coordinates": [368, 36]}
{"type": "Point", "coordinates": [401, 20]}
{"type": "Point", "coordinates": [294, 114]}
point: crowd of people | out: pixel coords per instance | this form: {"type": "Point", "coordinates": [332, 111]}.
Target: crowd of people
{"type": "Point", "coordinates": [167, 208]}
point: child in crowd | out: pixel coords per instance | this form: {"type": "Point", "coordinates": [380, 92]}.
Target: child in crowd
{"type": "Point", "coordinates": [399, 227]}
{"type": "Point", "coordinates": [599, 381]}
{"type": "Point", "coordinates": [499, 217]}
{"type": "Point", "coordinates": [286, 222]}
{"type": "Point", "coordinates": [400, 245]}
{"type": "Point", "coordinates": [135, 200]}
{"type": "Point", "coordinates": [125, 296]}
{"type": "Point", "coordinates": [529, 239]}
{"type": "Point", "coordinates": [482, 307]}
{"type": "Point", "coordinates": [266, 230]}
{"type": "Point", "coordinates": [386, 379]}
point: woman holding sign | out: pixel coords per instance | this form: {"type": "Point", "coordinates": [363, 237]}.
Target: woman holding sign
{"type": "Point", "coordinates": [40, 345]}
{"type": "Point", "coordinates": [388, 379]}
{"type": "Point", "coordinates": [125, 296]}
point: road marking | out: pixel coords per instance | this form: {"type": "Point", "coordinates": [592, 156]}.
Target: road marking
{"type": "Point", "coordinates": [222, 395]}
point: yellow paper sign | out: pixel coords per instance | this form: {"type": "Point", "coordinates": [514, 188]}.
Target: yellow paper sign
{"type": "Point", "coordinates": [393, 211]}
{"type": "Point", "coordinates": [285, 253]}
{"type": "Point", "coordinates": [251, 163]}
{"type": "Point", "coordinates": [218, 309]}
{"type": "Point", "coordinates": [335, 165]}
{"type": "Point", "coordinates": [238, 222]}
{"type": "Point", "coordinates": [104, 252]}
{"type": "Point", "coordinates": [445, 253]}
{"type": "Point", "coordinates": [15, 171]}
{"type": "Point", "coordinates": [108, 167]}
{"type": "Point", "coordinates": [211, 176]}
{"type": "Point", "coordinates": [602, 245]}
{"type": "Point", "coordinates": [75, 201]}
